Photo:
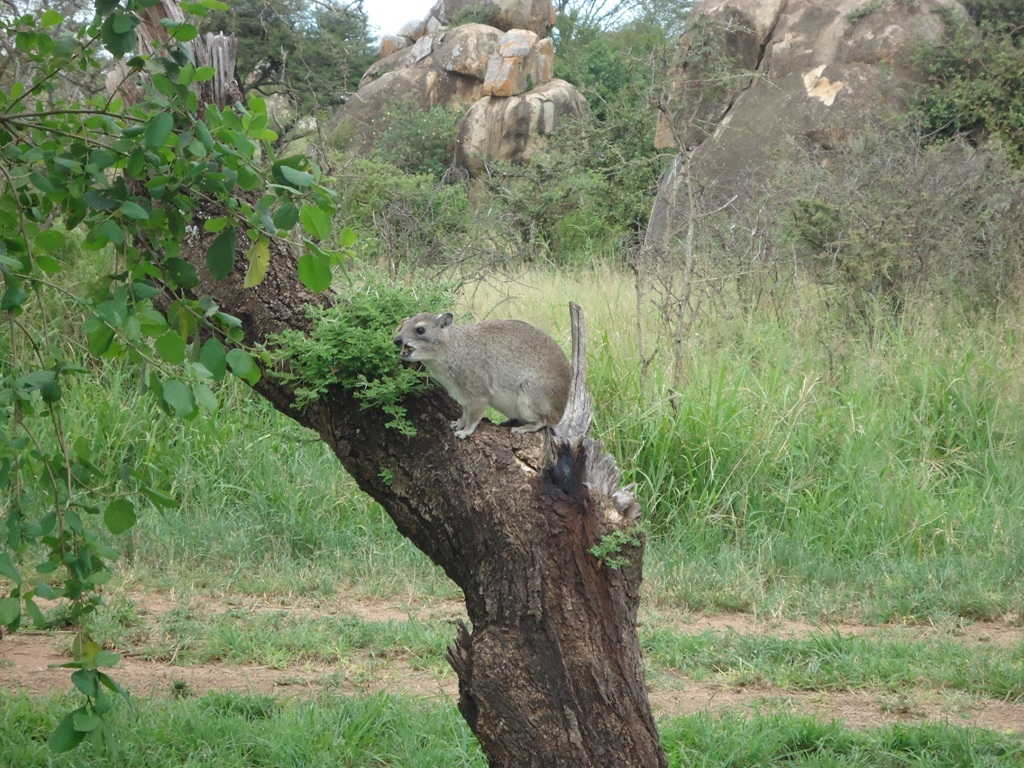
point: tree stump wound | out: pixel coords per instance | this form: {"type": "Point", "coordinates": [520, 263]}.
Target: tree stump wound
{"type": "Point", "coordinates": [551, 673]}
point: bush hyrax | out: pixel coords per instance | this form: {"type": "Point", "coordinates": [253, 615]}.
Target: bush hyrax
{"type": "Point", "coordinates": [510, 365]}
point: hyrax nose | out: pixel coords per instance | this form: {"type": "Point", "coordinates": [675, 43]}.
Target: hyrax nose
{"type": "Point", "coordinates": [398, 341]}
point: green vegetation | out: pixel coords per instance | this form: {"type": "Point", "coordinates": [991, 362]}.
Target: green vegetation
{"type": "Point", "coordinates": [311, 55]}
{"type": "Point", "coordinates": [842, 439]}
{"type": "Point", "coordinates": [350, 346]}
{"type": "Point", "coordinates": [236, 730]}
{"type": "Point", "coordinates": [975, 78]}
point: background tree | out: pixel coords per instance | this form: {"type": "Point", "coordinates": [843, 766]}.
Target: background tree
{"type": "Point", "coordinates": [311, 51]}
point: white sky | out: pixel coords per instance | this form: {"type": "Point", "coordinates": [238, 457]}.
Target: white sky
{"type": "Point", "coordinates": [386, 16]}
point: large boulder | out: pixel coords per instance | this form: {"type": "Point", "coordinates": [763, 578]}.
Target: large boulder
{"type": "Point", "coordinates": [505, 73]}
{"type": "Point", "coordinates": [516, 127]}
{"type": "Point", "coordinates": [794, 75]}
{"type": "Point", "coordinates": [538, 16]}
{"type": "Point", "coordinates": [443, 70]}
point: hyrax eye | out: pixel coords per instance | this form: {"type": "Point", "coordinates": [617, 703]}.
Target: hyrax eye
{"type": "Point", "coordinates": [420, 330]}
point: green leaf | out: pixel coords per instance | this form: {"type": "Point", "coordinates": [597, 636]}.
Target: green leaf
{"type": "Point", "coordinates": [13, 298]}
{"type": "Point", "coordinates": [125, 22]}
{"type": "Point", "coordinates": [50, 241]}
{"type": "Point", "coordinates": [295, 177]}
{"type": "Point", "coordinates": [316, 221]}
{"type": "Point", "coordinates": [187, 75]}
{"type": "Point", "coordinates": [49, 265]}
{"type": "Point", "coordinates": [134, 211]}
{"type": "Point", "coordinates": [86, 681]}
{"type": "Point", "coordinates": [347, 237]}
{"type": "Point", "coordinates": [259, 262]}
{"type": "Point", "coordinates": [213, 357]}
{"type": "Point", "coordinates": [106, 659]}
{"type": "Point", "coordinates": [65, 738]}
{"type": "Point", "coordinates": [42, 183]}
{"type": "Point", "coordinates": [220, 256]}
{"type": "Point", "coordinates": [51, 392]}
{"type": "Point", "coordinates": [119, 515]}
{"type": "Point", "coordinates": [151, 321]}
{"type": "Point", "coordinates": [182, 32]}
{"type": "Point", "coordinates": [99, 200]}
{"type": "Point", "coordinates": [10, 610]}
{"type": "Point", "coordinates": [204, 397]}
{"type": "Point", "coordinates": [7, 568]}
{"type": "Point", "coordinates": [100, 337]}
{"type": "Point", "coordinates": [38, 620]}
{"type": "Point", "coordinates": [315, 271]}
{"type": "Point", "coordinates": [216, 224]}
{"type": "Point", "coordinates": [203, 133]}
{"type": "Point", "coordinates": [110, 231]}
{"type": "Point", "coordinates": [286, 216]}
{"type": "Point", "coordinates": [183, 273]}
{"type": "Point", "coordinates": [171, 348]}
{"type": "Point", "coordinates": [50, 19]}
{"type": "Point", "coordinates": [242, 365]}
{"type": "Point", "coordinates": [111, 684]}
{"type": "Point", "coordinates": [86, 722]}
{"type": "Point", "coordinates": [158, 499]}
{"type": "Point", "coordinates": [178, 397]}
{"type": "Point", "coordinates": [159, 129]}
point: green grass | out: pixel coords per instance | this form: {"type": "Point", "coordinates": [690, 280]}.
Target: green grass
{"type": "Point", "coordinates": [226, 730]}
{"type": "Point", "coordinates": [873, 478]}
{"type": "Point", "coordinates": [883, 660]}
{"type": "Point", "coordinates": [703, 741]}
{"type": "Point", "coordinates": [189, 634]}
{"type": "Point", "coordinates": [802, 471]}
{"type": "Point", "coordinates": [831, 661]}
{"type": "Point", "coordinates": [264, 505]}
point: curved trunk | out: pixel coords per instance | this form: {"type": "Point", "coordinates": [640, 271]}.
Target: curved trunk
{"type": "Point", "coordinates": [550, 673]}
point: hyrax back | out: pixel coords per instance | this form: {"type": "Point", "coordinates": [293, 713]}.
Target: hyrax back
{"type": "Point", "coordinates": [510, 365]}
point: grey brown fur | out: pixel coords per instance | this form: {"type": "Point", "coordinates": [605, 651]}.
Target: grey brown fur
{"type": "Point", "coordinates": [510, 365]}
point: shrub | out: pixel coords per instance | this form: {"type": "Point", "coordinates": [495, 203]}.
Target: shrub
{"type": "Point", "coordinates": [974, 80]}
{"type": "Point", "coordinates": [890, 221]}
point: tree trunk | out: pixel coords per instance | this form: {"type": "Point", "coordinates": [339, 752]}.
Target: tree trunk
{"type": "Point", "coordinates": [550, 673]}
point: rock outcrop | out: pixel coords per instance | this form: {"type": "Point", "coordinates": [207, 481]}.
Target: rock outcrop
{"type": "Point", "coordinates": [502, 70]}
{"type": "Point", "coordinates": [537, 16]}
{"type": "Point", "coordinates": [515, 127]}
{"type": "Point", "coordinates": [793, 75]}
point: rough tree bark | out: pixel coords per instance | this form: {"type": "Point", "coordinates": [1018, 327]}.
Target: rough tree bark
{"type": "Point", "coordinates": [550, 673]}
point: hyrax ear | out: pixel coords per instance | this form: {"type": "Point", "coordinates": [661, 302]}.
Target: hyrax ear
{"type": "Point", "coordinates": [445, 319]}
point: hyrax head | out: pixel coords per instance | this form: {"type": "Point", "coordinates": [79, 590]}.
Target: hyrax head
{"type": "Point", "coordinates": [423, 336]}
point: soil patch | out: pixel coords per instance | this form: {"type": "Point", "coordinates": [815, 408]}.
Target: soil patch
{"type": "Point", "coordinates": [27, 659]}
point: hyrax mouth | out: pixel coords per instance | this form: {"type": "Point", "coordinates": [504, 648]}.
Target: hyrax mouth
{"type": "Point", "coordinates": [406, 350]}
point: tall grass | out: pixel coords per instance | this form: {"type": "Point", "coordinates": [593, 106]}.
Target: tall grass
{"type": "Point", "coordinates": [876, 475]}
{"type": "Point", "coordinates": [792, 471]}
{"type": "Point", "coordinates": [264, 505]}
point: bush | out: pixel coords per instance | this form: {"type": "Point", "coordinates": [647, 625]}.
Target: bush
{"type": "Point", "coordinates": [974, 80]}
{"type": "Point", "coordinates": [890, 221]}
{"type": "Point", "coordinates": [402, 218]}
{"type": "Point", "coordinates": [420, 142]}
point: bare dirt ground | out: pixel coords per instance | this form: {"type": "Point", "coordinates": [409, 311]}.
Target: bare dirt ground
{"type": "Point", "coordinates": [26, 660]}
